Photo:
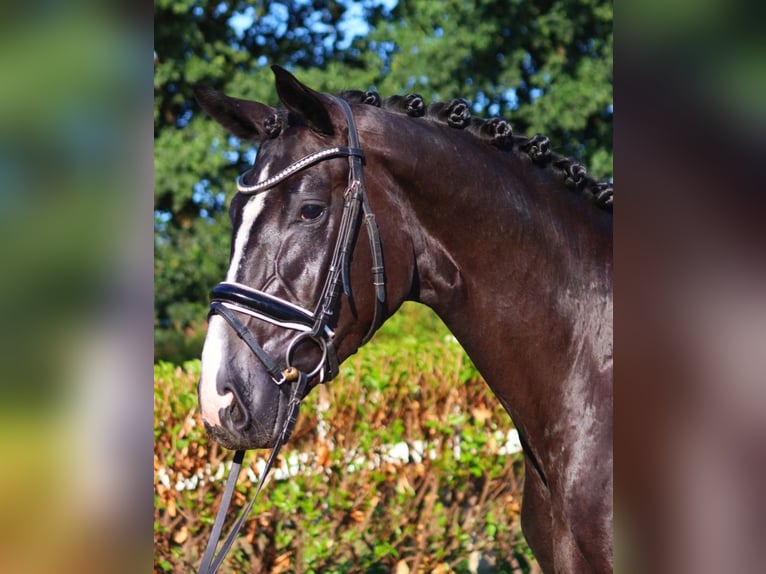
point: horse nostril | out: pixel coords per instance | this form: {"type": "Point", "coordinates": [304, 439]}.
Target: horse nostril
{"type": "Point", "coordinates": [239, 417]}
{"type": "Point", "coordinates": [238, 412]}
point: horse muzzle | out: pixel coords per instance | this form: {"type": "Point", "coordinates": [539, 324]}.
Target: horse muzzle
{"type": "Point", "coordinates": [244, 402]}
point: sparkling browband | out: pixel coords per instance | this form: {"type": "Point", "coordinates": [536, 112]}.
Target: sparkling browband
{"type": "Point", "coordinates": [293, 168]}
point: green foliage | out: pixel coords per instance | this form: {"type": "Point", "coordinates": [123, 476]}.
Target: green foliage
{"type": "Point", "coordinates": [187, 264]}
{"type": "Point", "coordinates": [546, 66]}
{"type": "Point", "coordinates": [350, 505]}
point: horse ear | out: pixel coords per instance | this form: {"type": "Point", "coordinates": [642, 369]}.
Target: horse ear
{"type": "Point", "coordinates": [303, 101]}
{"type": "Point", "coordinates": [242, 118]}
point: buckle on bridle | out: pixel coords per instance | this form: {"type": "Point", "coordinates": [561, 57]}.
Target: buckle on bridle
{"type": "Point", "coordinates": [290, 375]}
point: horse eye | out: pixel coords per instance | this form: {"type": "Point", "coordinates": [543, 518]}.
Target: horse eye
{"type": "Point", "coordinates": [311, 211]}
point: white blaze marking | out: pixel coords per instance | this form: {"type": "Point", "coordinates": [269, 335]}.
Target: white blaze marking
{"type": "Point", "coordinates": [212, 358]}
{"type": "Point", "coordinates": [215, 349]}
{"type": "Point", "coordinates": [250, 213]}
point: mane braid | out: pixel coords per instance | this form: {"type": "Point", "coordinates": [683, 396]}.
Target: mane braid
{"type": "Point", "coordinates": [370, 97]}
{"type": "Point", "coordinates": [273, 125]}
{"type": "Point", "coordinates": [456, 113]}
{"type": "Point", "coordinates": [412, 105]}
{"type": "Point", "coordinates": [497, 132]}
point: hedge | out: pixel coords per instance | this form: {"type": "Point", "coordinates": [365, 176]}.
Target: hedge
{"type": "Point", "coordinates": [405, 463]}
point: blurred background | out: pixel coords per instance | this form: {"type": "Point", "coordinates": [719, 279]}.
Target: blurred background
{"type": "Point", "coordinates": [75, 287]}
{"type": "Point", "coordinates": [690, 318]}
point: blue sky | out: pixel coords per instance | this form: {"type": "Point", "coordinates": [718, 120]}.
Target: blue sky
{"type": "Point", "coordinates": [352, 25]}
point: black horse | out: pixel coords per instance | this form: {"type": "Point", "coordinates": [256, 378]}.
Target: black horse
{"type": "Point", "coordinates": [509, 243]}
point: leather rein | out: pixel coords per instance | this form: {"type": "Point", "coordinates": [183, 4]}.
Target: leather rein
{"type": "Point", "coordinates": [230, 299]}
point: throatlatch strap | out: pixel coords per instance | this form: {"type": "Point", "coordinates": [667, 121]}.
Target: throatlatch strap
{"type": "Point", "coordinates": [378, 274]}
{"type": "Point", "coordinates": [356, 169]}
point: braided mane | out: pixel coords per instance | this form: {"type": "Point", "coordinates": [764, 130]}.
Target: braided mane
{"type": "Point", "coordinates": [497, 132]}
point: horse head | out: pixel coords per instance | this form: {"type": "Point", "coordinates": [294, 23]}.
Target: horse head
{"type": "Point", "coordinates": [298, 293]}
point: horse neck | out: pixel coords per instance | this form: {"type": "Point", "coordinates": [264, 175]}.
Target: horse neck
{"type": "Point", "coordinates": [515, 264]}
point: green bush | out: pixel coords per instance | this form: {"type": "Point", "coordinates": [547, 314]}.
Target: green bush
{"type": "Point", "coordinates": [444, 498]}
{"type": "Point", "coordinates": [183, 339]}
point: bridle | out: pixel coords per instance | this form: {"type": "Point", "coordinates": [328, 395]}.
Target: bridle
{"type": "Point", "coordinates": [229, 299]}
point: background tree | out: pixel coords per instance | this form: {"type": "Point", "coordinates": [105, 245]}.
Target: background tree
{"type": "Point", "coordinates": [546, 66]}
